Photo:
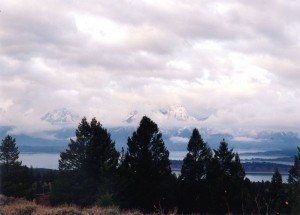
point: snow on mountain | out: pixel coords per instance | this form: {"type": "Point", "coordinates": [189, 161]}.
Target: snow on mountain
{"type": "Point", "coordinates": [131, 116]}
{"type": "Point", "coordinates": [180, 113]}
{"type": "Point", "coordinates": [61, 116]}
{"type": "Point", "coordinates": [170, 113]}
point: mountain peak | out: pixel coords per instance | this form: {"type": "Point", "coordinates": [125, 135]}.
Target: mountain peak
{"type": "Point", "coordinates": [60, 116]}
{"type": "Point", "coordinates": [179, 112]}
{"type": "Point", "coordinates": [131, 116]}
{"type": "Point", "coordinates": [173, 112]}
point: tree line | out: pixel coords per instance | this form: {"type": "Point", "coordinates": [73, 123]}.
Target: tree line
{"type": "Point", "coordinates": [92, 172]}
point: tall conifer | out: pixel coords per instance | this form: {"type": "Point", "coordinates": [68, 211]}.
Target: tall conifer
{"type": "Point", "coordinates": [147, 167]}
{"type": "Point", "coordinates": [193, 175]}
{"type": "Point", "coordinates": [226, 177]}
{"type": "Point", "coordinates": [88, 166]}
{"type": "Point", "coordinates": [9, 153]}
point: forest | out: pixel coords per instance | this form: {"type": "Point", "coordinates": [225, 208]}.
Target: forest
{"type": "Point", "coordinates": [93, 173]}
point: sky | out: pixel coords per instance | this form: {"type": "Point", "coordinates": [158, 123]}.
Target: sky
{"type": "Point", "coordinates": [233, 63]}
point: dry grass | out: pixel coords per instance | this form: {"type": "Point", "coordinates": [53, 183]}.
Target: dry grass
{"type": "Point", "coordinates": [14, 206]}
{"type": "Point", "coordinates": [23, 207]}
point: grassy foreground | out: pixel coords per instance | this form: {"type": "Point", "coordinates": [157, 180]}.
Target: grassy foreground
{"type": "Point", "coordinates": [24, 207]}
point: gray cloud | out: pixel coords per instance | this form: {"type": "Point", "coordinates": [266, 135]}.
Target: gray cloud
{"type": "Point", "coordinates": [234, 63]}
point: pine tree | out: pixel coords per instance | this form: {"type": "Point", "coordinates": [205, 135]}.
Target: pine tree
{"type": "Point", "coordinates": [226, 176]}
{"type": "Point", "coordinates": [294, 173]}
{"type": "Point", "coordinates": [16, 179]}
{"type": "Point", "coordinates": [275, 192]}
{"type": "Point", "coordinates": [9, 153]}
{"type": "Point", "coordinates": [195, 163]}
{"type": "Point", "coordinates": [276, 181]}
{"type": "Point", "coordinates": [146, 167]}
{"type": "Point", "coordinates": [224, 156]}
{"type": "Point", "coordinates": [88, 166]}
{"type": "Point", "coordinates": [294, 181]}
{"type": "Point", "coordinates": [193, 175]}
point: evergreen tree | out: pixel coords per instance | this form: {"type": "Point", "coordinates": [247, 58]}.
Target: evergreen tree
{"type": "Point", "coordinates": [276, 181]}
{"type": "Point", "coordinates": [294, 173]}
{"type": "Point", "coordinates": [16, 179]}
{"type": "Point", "coordinates": [193, 175]}
{"type": "Point", "coordinates": [294, 181]}
{"type": "Point", "coordinates": [276, 191]}
{"type": "Point", "coordinates": [225, 177]}
{"type": "Point", "coordinates": [194, 166]}
{"type": "Point", "coordinates": [224, 156]}
{"type": "Point", "coordinates": [88, 166]}
{"type": "Point", "coordinates": [146, 168]}
{"type": "Point", "coordinates": [9, 153]}
{"type": "Point", "coordinates": [17, 182]}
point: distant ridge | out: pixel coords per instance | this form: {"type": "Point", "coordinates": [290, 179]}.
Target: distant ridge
{"type": "Point", "coordinates": [250, 167]}
{"type": "Point", "coordinates": [61, 116]}
{"type": "Point", "coordinates": [173, 112]}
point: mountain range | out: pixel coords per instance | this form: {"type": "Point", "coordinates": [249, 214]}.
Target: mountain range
{"type": "Point", "coordinates": [60, 116]}
{"type": "Point", "coordinates": [175, 135]}
{"type": "Point", "coordinates": [174, 112]}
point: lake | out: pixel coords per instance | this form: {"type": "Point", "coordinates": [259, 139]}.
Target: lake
{"type": "Point", "coordinates": [256, 176]}
{"type": "Point", "coordinates": [179, 155]}
{"type": "Point", "coordinates": [264, 176]}
{"type": "Point", "coordinates": [40, 160]}
{"type": "Point", "coordinates": [50, 161]}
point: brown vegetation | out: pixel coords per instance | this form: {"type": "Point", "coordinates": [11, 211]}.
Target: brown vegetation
{"type": "Point", "coordinates": [14, 206]}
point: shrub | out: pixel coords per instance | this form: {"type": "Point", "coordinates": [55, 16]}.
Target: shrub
{"type": "Point", "coordinates": [105, 200]}
{"type": "Point", "coordinates": [19, 208]}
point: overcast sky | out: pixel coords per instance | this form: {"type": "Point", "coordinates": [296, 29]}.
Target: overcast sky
{"type": "Point", "coordinates": [235, 63]}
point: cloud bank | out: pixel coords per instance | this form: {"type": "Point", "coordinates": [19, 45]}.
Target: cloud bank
{"type": "Point", "coordinates": [234, 63]}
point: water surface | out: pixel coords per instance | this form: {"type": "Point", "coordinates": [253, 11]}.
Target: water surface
{"type": "Point", "coordinates": [50, 161]}
{"type": "Point", "coordinates": [40, 160]}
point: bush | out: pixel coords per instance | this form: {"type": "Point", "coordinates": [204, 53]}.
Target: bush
{"type": "Point", "coordinates": [105, 200]}
{"type": "Point", "coordinates": [19, 208]}
{"type": "Point", "coordinates": [67, 211]}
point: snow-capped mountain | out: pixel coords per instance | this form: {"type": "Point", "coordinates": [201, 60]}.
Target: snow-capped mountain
{"type": "Point", "coordinates": [170, 113]}
{"type": "Point", "coordinates": [61, 116]}
{"type": "Point", "coordinates": [131, 116]}
{"type": "Point", "coordinates": [174, 122]}
{"type": "Point", "coordinates": [177, 112]}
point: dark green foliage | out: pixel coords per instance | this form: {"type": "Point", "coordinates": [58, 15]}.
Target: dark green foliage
{"type": "Point", "coordinates": [9, 153]}
{"type": "Point", "coordinates": [294, 181]}
{"type": "Point", "coordinates": [196, 161]}
{"type": "Point", "coordinates": [87, 167]}
{"type": "Point", "coordinates": [264, 198]}
{"type": "Point", "coordinates": [91, 171]}
{"type": "Point", "coordinates": [92, 151]}
{"type": "Point", "coordinates": [42, 180]}
{"type": "Point", "coordinates": [74, 187]}
{"type": "Point", "coordinates": [225, 178]}
{"type": "Point", "coordinates": [276, 181]}
{"type": "Point", "coordinates": [294, 173]}
{"type": "Point", "coordinates": [260, 195]}
{"type": "Point", "coordinates": [193, 175]}
{"type": "Point", "coordinates": [16, 179]}
{"type": "Point", "coordinates": [146, 169]}
{"type": "Point", "coordinates": [17, 182]}
{"type": "Point", "coordinates": [276, 192]}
